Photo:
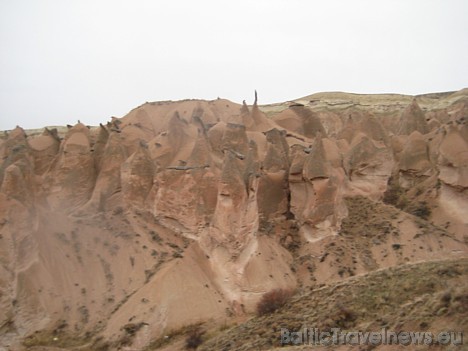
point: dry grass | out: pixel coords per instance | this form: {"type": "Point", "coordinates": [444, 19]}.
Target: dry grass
{"type": "Point", "coordinates": [417, 295]}
{"type": "Point", "coordinates": [61, 340]}
{"type": "Point", "coordinates": [174, 335]}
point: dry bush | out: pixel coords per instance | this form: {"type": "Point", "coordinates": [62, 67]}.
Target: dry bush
{"type": "Point", "coordinates": [344, 317]}
{"type": "Point", "coordinates": [421, 210]}
{"type": "Point", "coordinates": [461, 302]}
{"type": "Point", "coordinates": [273, 300]}
{"type": "Point", "coordinates": [194, 338]}
{"type": "Point", "coordinates": [393, 194]}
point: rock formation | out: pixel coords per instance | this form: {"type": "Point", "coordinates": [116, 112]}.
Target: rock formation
{"type": "Point", "coordinates": [189, 211]}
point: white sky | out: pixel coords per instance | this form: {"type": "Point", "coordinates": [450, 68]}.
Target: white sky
{"type": "Point", "coordinates": [64, 60]}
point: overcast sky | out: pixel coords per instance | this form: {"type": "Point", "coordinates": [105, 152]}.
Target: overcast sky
{"type": "Point", "coordinates": [61, 61]}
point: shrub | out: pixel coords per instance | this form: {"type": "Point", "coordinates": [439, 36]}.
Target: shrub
{"type": "Point", "coordinates": [422, 210]}
{"type": "Point", "coordinates": [118, 210]}
{"type": "Point", "coordinates": [194, 339]}
{"type": "Point", "coordinates": [393, 192]}
{"type": "Point", "coordinates": [273, 300]}
{"type": "Point", "coordinates": [343, 316]}
{"type": "Point", "coordinates": [396, 246]}
{"type": "Point", "coordinates": [446, 298]}
{"type": "Point", "coordinates": [395, 195]}
{"type": "Point", "coordinates": [461, 301]}
{"type": "Point", "coordinates": [155, 236]}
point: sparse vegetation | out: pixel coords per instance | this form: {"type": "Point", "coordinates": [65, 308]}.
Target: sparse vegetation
{"type": "Point", "coordinates": [54, 339]}
{"type": "Point", "coordinates": [176, 334]}
{"type": "Point", "coordinates": [396, 196]}
{"type": "Point", "coordinates": [130, 331]}
{"type": "Point", "coordinates": [404, 296]}
{"type": "Point", "coordinates": [177, 254]}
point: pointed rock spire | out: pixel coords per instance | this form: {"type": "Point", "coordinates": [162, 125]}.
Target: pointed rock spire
{"type": "Point", "coordinates": [413, 119]}
{"type": "Point", "coordinates": [316, 164]}
{"type": "Point", "coordinates": [244, 109]}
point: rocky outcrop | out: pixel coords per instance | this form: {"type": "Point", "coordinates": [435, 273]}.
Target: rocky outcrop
{"type": "Point", "coordinates": [137, 174]}
{"type": "Point", "coordinates": [44, 149]}
{"type": "Point", "coordinates": [316, 184]}
{"type": "Point", "coordinates": [453, 158]}
{"type": "Point", "coordinates": [414, 157]}
{"type": "Point", "coordinates": [273, 190]}
{"type": "Point", "coordinates": [72, 177]}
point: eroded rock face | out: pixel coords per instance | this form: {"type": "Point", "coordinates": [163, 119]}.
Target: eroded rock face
{"type": "Point", "coordinates": [453, 159]}
{"type": "Point", "coordinates": [191, 210]}
{"type": "Point", "coordinates": [413, 119]}
{"type": "Point", "coordinates": [368, 166]}
{"type": "Point", "coordinates": [72, 177]}
{"type": "Point", "coordinates": [415, 154]}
